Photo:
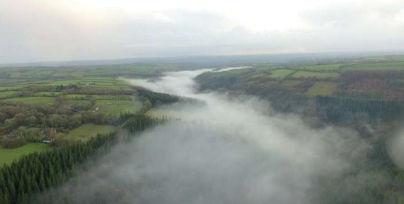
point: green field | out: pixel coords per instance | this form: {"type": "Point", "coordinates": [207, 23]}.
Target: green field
{"type": "Point", "coordinates": [7, 156]}
{"type": "Point", "coordinates": [396, 57]}
{"type": "Point", "coordinates": [322, 89]}
{"type": "Point", "coordinates": [79, 72]}
{"type": "Point", "coordinates": [47, 94]}
{"type": "Point", "coordinates": [9, 88]}
{"type": "Point", "coordinates": [280, 73]}
{"type": "Point", "coordinates": [8, 93]}
{"type": "Point", "coordinates": [85, 132]}
{"type": "Point", "coordinates": [315, 75]}
{"type": "Point", "coordinates": [76, 96]}
{"type": "Point", "coordinates": [118, 106]}
{"type": "Point", "coordinates": [291, 83]}
{"type": "Point", "coordinates": [325, 68]}
{"type": "Point", "coordinates": [385, 66]}
{"type": "Point", "coordinates": [32, 100]}
{"type": "Point", "coordinates": [107, 82]}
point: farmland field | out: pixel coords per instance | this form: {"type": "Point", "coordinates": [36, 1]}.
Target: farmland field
{"type": "Point", "coordinates": [396, 57]}
{"type": "Point", "coordinates": [385, 66]}
{"type": "Point", "coordinates": [47, 94]}
{"type": "Point", "coordinates": [77, 72]}
{"type": "Point", "coordinates": [75, 96]}
{"type": "Point", "coordinates": [322, 88]}
{"type": "Point", "coordinates": [8, 93]}
{"type": "Point", "coordinates": [9, 88]}
{"type": "Point", "coordinates": [291, 83]}
{"type": "Point", "coordinates": [326, 68]}
{"type": "Point", "coordinates": [31, 100]}
{"type": "Point", "coordinates": [86, 131]}
{"type": "Point", "coordinates": [7, 156]}
{"type": "Point", "coordinates": [118, 106]}
{"type": "Point", "coordinates": [281, 73]}
{"type": "Point", "coordinates": [315, 75]}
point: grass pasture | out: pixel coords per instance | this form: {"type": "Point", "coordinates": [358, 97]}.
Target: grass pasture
{"type": "Point", "coordinates": [76, 96]}
{"type": "Point", "coordinates": [322, 89]}
{"type": "Point", "coordinates": [322, 68]}
{"type": "Point", "coordinates": [86, 131]}
{"type": "Point", "coordinates": [291, 83]}
{"type": "Point", "coordinates": [10, 88]}
{"type": "Point", "coordinates": [40, 73]}
{"type": "Point", "coordinates": [281, 73]}
{"type": "Point", "coordinates": [8, 93]}
{"type": "Point", "coordinates": [396, 58]}
{"type": "Point", "coordinates": [132, 70]}
{"type": "Point", "coordinates": [7, 156]}
{"type": "Point", "coordinates": [47, 94]}
{"type": "Point", "coordinates": [385, 66]}
{"type": "Point", "coordinates": [111, 83]}
{"type": "Point", "coordinates": [15, 74]}
{"type": "Point", "coordinates": [105, 83]}
{"type": "Point", "coordinates": [118, 106]}
{"type": "Point", "coordinates": [32, 100]}
{"type": "Point", "coordinates": [315, 75]}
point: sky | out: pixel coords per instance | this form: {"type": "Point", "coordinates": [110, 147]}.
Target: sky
{"type": "Point", "coordinates": [64, 30]}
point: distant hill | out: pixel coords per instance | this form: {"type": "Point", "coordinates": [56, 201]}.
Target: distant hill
{"type": "Point", "coordinates": [204, 61]}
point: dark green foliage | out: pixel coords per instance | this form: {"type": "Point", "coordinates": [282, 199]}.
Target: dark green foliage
{"type": "Point", "coordinates": [243, 81]}
{"type": "Point", "coordinates": [99, 91]}
{"type": "Point", "coordinates": [60, 88]}
{"type": "Point", "coordinates": [13, 143]}
{"type": "Point", "coordinates": [340, 109]}
{"type": "Point", "coordinates": [376, 180]}
{"type": "Point", "coordinates": [62, 116]}
{"type": "Point", "coordinates": [157, 98]}
{"type": "Point", "coordinates": [228, 79]}
{"type": "Point", "coordinates": [16, 115]}
{"type": "Point", "coordinates": [35, 173]}
{"type": "Point", "coordinates": [139, 122]}
{"type": "Point", "coordinates": [123, 117]}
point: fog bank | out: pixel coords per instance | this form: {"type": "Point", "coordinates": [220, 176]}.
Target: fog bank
{"type": "Point", "coordinates": [228, 151]}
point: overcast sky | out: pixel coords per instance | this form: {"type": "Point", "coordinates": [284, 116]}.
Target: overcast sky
{"type": "Point", "coordinates": [61, 30]}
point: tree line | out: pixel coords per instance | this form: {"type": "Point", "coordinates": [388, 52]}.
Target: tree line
{"type": "Point", "coordinates": [24, 122]}
{"type": "Point", "coordinates": [37, 172]}
{"type": "Point", "coordinates": [341, 109]}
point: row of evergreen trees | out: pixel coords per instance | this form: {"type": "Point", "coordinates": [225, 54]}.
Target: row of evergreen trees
{"type": "Point", "coordinates": [340, 109]}
{"type": "Point", "coordinates": [37, 172]}
{"type": "Point", "coordinates": [140, 122]}
{"type": "Point", "coordinates": [157, 98]}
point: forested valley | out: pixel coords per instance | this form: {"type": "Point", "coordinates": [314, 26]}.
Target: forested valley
{"type": "Point", "coordinates": [61, 134]}
{"type": "Point", "coordinates": [201, 102]}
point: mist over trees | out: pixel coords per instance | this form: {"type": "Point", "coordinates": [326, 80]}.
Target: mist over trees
{"type": "Point", "coordinates": [237, 150]}
{"type": "Point", "coordinates": [234, 136]}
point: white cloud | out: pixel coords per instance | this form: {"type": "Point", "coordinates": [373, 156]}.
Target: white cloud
{"type": "Point", "coordinates": [43, 30]}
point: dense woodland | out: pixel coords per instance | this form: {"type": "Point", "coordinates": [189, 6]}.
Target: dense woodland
{"type": "Point", "coordinates": [37, 172]}
{"type": "Point", "coordinates": [364, 95]}
{"type": "Point", "coordinates": [357, 98]}
{"type": "Point", "coordinates": [24, 122]}
{"type": "Point", "coordinates": [369, 101]}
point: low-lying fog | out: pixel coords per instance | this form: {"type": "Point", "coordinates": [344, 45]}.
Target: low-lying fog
{"type": "Point", "coordinates": [227, 151]}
